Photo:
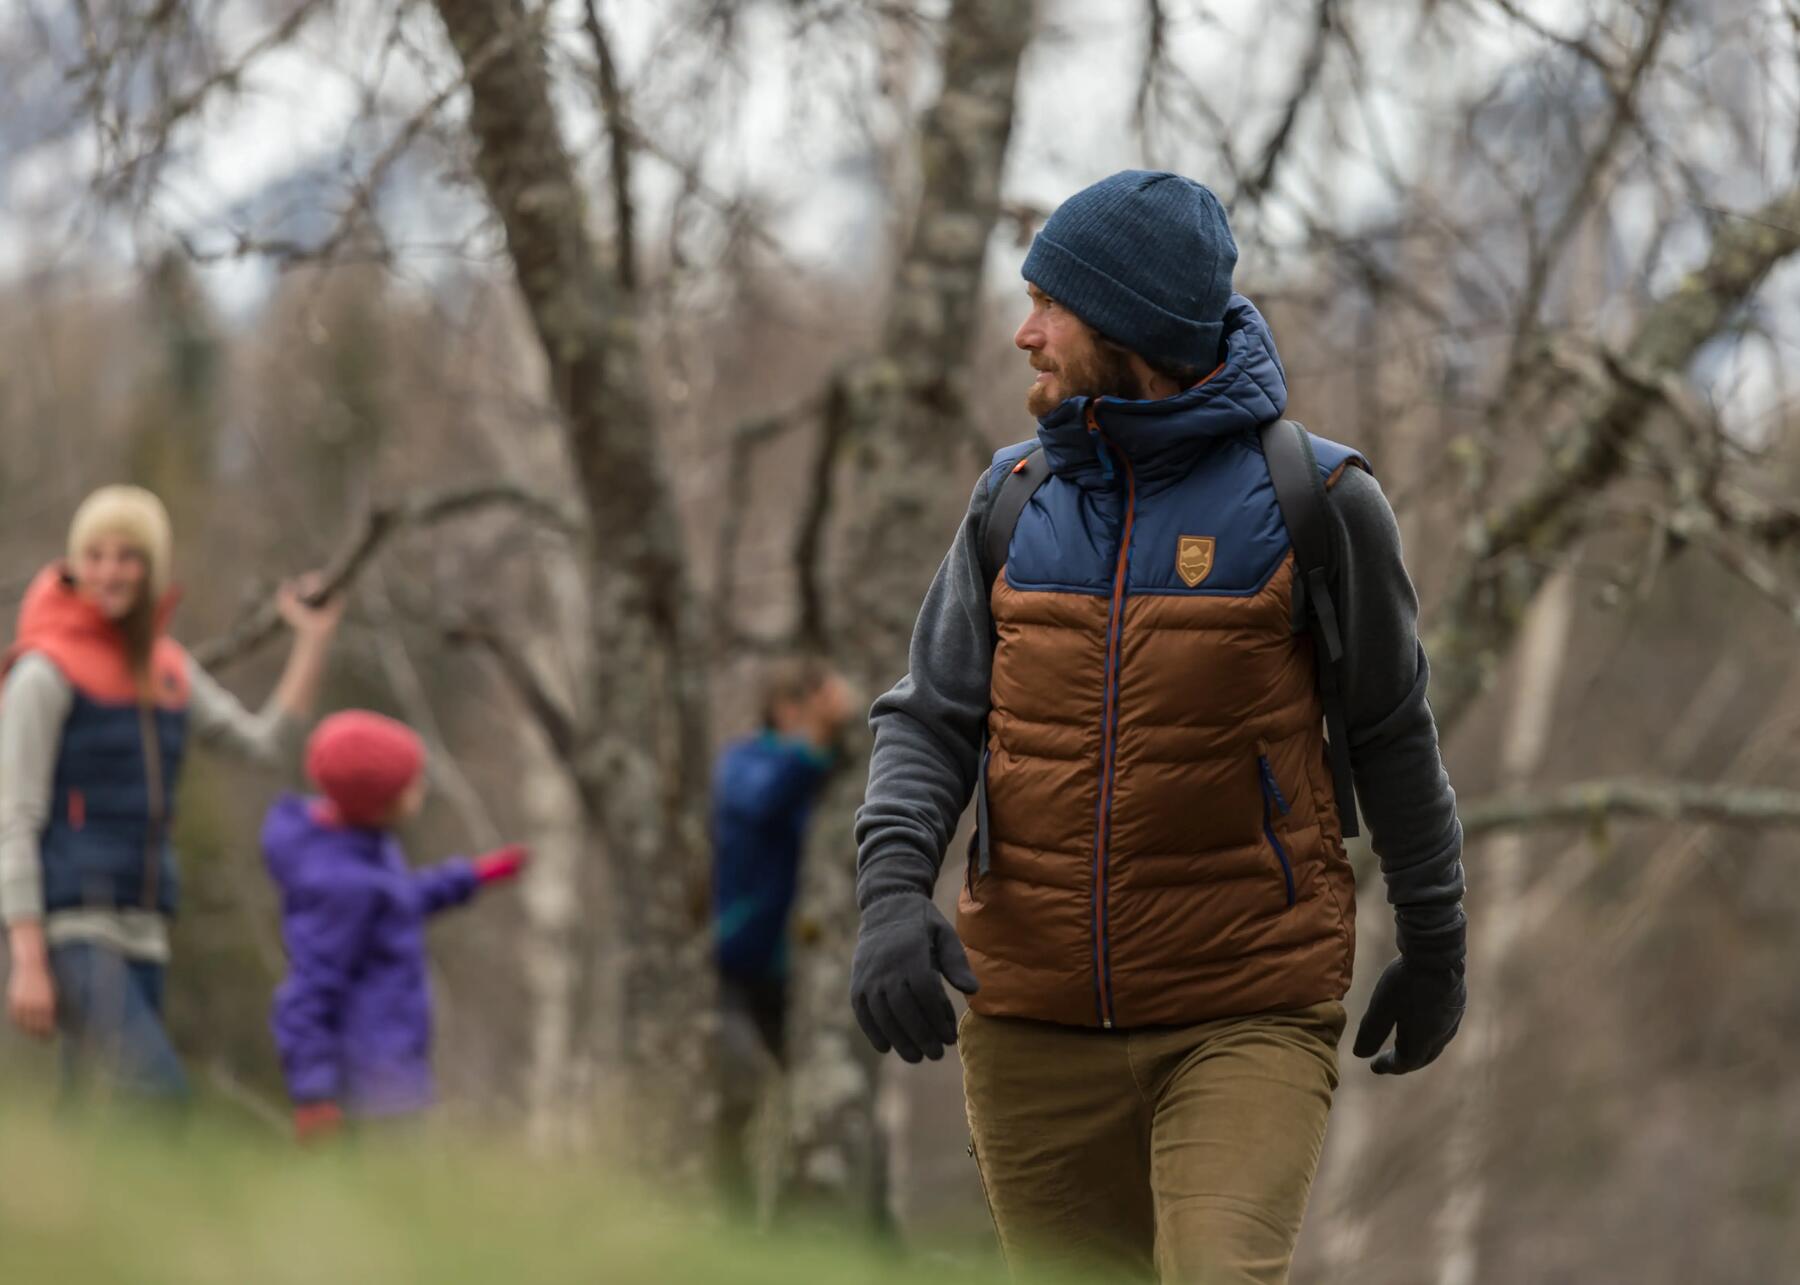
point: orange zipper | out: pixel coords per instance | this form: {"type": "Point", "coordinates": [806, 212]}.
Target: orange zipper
{"type": "Point", "coordinates": [1115, 639]}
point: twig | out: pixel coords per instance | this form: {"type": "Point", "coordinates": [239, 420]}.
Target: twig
{"type": "Point", "coordinates": [1582, 49]}
{"type": "Point", "coordinates": [1156, 39]}
{"type": "Point", "coordinates": [1545, 255]}
{"type": "Point", "coordinates": [289, 253]}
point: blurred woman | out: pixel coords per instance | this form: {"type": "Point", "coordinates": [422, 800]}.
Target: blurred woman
{"type": "Point", "coordinates": [97, 709]}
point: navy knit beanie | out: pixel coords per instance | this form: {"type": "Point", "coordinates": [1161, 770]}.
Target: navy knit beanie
{"type": "Point", "coordinates": [1145, 258]}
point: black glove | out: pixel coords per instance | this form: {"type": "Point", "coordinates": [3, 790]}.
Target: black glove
{"type": "Point", "coordinates": [1425, 1001]}
{"type": "Point", "coordinates": [904, 945]}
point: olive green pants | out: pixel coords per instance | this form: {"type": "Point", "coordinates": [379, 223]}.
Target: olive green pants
{"type": "Point", "coordinates": [1179, 1153]}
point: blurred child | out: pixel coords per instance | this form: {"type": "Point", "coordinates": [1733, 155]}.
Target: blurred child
{"type": "Point", "coordinates": [352, 1018]}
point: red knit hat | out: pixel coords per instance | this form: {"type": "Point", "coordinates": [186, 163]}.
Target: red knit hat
{"type": "Point", "coordinates": [363, 763]}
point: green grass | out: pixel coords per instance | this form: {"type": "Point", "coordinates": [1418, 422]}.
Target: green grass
{"type": "Point", "coordinates": [208, 1203]}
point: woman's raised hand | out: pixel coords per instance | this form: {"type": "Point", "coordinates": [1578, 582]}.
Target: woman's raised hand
{"type": "Point", "coordinates": [295, 602]}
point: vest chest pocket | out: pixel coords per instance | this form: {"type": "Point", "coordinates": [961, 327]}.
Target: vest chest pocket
{"type": "Point", "coordinates": [1274, 807]}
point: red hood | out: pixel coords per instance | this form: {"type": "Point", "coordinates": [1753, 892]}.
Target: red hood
{"type": "Point", "coordinates": [56, 620]}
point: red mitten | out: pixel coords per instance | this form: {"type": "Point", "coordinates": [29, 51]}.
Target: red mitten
{"type": "Point", "coordinates": [317, 1121]}
{"type": "Point", "coordinates": [502, 863]}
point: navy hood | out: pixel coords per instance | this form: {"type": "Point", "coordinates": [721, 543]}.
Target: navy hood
{"type": "Point", "coordinates": [1162, 438]}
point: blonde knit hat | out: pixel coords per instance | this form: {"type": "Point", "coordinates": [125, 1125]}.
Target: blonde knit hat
{"type": "Point", "coordinates": [132, 514]}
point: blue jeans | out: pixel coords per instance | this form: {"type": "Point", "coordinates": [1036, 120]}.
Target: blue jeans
{"type": "Point", "coordinates": [109, 1012]}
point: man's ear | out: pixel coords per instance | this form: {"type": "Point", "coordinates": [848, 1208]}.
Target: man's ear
{"type": "Point", "coordinates": [1152, 385]}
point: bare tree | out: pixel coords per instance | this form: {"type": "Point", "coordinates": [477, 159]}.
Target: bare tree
{"type": "Point", "coordinates": [900, 419]}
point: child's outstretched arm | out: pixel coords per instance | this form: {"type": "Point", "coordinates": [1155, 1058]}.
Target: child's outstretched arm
{"type": "Point", "coordinates": [327, 930]}
{"type": "Point", "coordinates": [453, 882]}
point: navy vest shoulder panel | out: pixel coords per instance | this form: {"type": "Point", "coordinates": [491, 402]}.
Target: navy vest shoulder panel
{"type": "Point", "coordinates": [1332, 456]}
{"type": "Point", "coordinates": [94, 847]}
{"type": "Point", "coordinates": [1006, 459]}
{"type": "Point", "coordinates": [1067, 538]}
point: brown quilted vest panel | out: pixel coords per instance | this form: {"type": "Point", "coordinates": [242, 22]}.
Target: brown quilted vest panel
{"type": "Point", "coordinates": [1185, 916]}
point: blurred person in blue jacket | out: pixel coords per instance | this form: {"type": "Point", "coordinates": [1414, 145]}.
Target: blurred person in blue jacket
{"type": "Point", "coordinates": [764, 789]}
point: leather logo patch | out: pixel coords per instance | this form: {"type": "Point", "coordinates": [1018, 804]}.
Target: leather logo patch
{"type": "Point", "coordinates": [1194, 558]}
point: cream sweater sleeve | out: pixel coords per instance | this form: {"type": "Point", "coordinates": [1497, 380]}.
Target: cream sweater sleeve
{"type": "Point", "coordinates": [34, 705]}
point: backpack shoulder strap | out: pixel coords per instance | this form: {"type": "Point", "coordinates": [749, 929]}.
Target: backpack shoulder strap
{"type": "Point", "coordinates": [1016, 490]}
{"type": "Point", "coordinates": [1301, 493]}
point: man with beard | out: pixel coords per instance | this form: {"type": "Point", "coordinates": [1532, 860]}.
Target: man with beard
{"type": "Point", "coordinates": [1158, 910]}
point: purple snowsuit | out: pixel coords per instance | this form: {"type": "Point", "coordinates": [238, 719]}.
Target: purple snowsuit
{"type": "Point", "coordinates": [352, 1018]}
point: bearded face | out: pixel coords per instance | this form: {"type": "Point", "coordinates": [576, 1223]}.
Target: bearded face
{"type": "Point", "coordinates": [1071, 358]}
{"type": "Point", "coordinates": [1093, 368]}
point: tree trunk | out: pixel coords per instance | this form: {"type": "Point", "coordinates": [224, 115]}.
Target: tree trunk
{"type": "Point", "coordinates": [558, 956]}
{"type": "Point", "coordinates": [904, 416]}
{"type": "Point", "coordinates": [641, 760]}
{"type": "Point", "coordinates": [1543, 648]}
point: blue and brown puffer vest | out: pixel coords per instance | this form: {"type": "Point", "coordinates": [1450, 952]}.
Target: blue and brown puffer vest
{"type": "Point", "coordinates": [1163, 844]}
{"type": "Point", "coordinates": [106, 844]}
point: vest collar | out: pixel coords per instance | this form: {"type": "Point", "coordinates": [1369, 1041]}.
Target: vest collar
{"type": "Point", "coordinates": [1164, 438]}
{"type": "Point", "coordinates": [53, 607]}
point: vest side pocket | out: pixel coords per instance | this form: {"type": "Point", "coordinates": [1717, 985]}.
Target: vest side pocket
{"type": "Point", "coordinates": [1274, 806]}
{"type": "Point", "coordinates": [983, 851]}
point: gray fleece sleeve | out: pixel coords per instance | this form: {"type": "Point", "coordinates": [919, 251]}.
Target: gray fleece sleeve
{"type": "Point", "coordinates": [36, 699]}
{"type": "Point", "coordinates": [267, 738]}
{"type": "Point", "coordinates": [1400, 779]}
{"type": "Point", "coordinates": [929, 728]}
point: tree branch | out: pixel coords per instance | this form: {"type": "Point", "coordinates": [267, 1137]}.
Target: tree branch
{"type": "Point", "coordinates": [1257, 186]}
{"type": "Point", "coordinates": [808, 545]}
{"type": "Point", "coordinates": [746, 440]}
{"type": "Point", "coordinates": [1156, 40]}
{"type": "Point", "coordinates": [552, 716]}
{"type": "Point", "coordinates": [1772, 525]}
{"type": "Point", "coordinates": [1595, 801]}
{"type": "Point", "coordinates": [441, 765]}
{"type": "Point", "coordinates": [1504, 552]}
{"type": "Point", "coordinates": [619, 142]}
{"type": "Point", "coordinates": [171, 112]}
{"type": "Point", "coordinates": [1624, 114]}
{"type": "Point", "coordinates": [1582, 49]}
{"type": "Point", "coordinates": [382, 523]}
{"type": "Point", "coordinates": [289, 253]}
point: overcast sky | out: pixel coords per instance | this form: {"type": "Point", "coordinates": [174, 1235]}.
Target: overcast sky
{"type": "Point", "coordinates": [267, 155]}
{"type": "Point", "coordinates": [273, 158]}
